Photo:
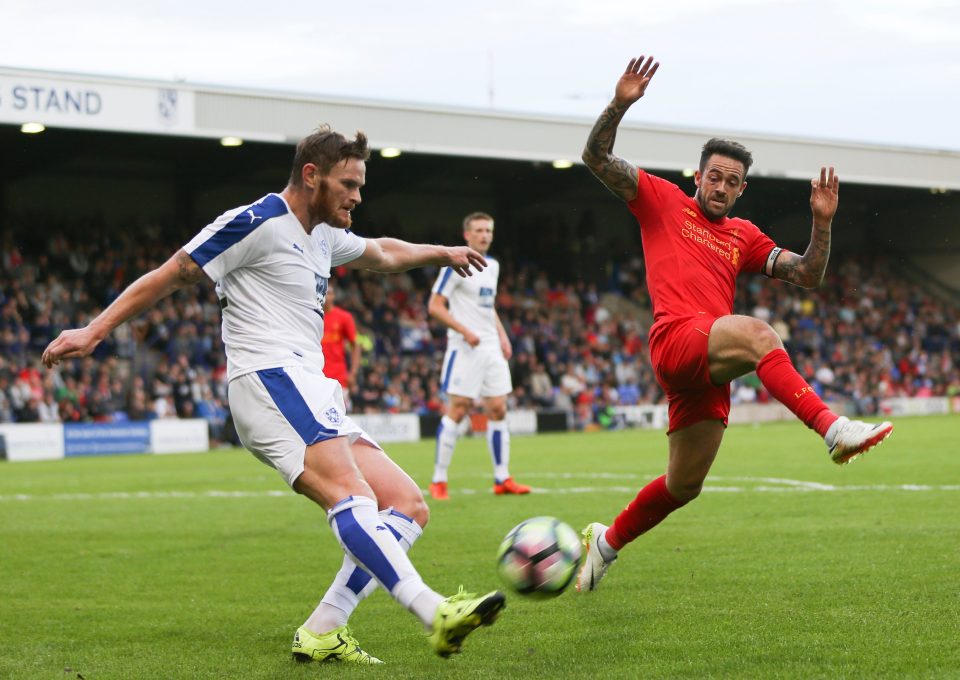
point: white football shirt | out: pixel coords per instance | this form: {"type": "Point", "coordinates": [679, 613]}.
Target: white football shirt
{"type": "Point", "coordinates": [271, 280]}
{"type": "Point", "coordinates": [471, 300]}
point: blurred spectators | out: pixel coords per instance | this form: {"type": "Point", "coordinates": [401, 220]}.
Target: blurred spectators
{"type": "Point", "coordinates": [864, 335]}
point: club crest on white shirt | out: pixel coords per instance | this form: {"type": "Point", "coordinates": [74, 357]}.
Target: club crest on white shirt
{"type": "Point", "coordinates": [333, 416]}
{"type": "Point", "coordinates": [324, 248]}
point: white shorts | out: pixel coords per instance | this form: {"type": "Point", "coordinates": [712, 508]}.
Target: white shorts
{"type": "Point", "coordinates": [278, 412]}
{"type": "Point", "coordinates": [473, 372]}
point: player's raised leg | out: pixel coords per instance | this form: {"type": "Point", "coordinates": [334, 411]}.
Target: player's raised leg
{"type": "Point", "coordinates": [741, 344]}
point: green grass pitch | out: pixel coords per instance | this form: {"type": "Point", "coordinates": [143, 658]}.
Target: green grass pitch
{"type": "Point", "coordinates": [202, 566]}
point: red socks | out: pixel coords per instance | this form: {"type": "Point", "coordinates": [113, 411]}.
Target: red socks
{"type": "Point", "coordinates": [782, 380]}
{"type": "Point", "coordinates": [647, 510]}
{"type": "Point", "coordinates": [655, 502]}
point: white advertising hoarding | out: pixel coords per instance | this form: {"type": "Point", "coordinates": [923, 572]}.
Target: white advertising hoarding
{"type": "Point", "coordinates": [649, 416]}
{"type": "Point", "coordinates": [390, 427]}
{"type": "Point", "coordinates": [170, 435]}
{"type": "Point", "coordinates": [88, 104]}
{"type": "Point", "coordinates": [522, 421]}
{"type": "Point", "coordinates": [915, 406]}
{"type": "Point", "coordinates": [33, 441]}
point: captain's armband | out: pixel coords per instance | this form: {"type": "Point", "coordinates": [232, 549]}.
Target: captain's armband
{"type": "Point", "coordinates": [771, 261]}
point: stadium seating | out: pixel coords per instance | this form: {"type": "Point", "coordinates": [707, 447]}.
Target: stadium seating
{"type": "Point", "coordinates": [866, 334]}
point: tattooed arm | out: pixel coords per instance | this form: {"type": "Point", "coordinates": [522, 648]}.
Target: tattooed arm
{"type": "Point", "coordinates": [615, 173]}
{"type": "Point", "coordinates": [807, 270]}
{"type": "Point", "coordinates": [179, 271]}
{"type": "Point", "coordinates": [618, 175]}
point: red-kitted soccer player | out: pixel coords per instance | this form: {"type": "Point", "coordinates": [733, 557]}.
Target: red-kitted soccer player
{"type": "Point", "coordinates": [694, 252]}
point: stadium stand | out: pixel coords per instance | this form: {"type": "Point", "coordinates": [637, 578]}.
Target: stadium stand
{"type": "Point", "coordinates": [579, 322]}
{"type": "Point", "coordinates": [868, 333]}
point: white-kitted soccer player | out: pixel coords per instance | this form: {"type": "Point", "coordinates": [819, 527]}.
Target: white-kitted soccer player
{"type": "Point", "coordinates": [271, 261]}
{"type": "Point", "coordinates": [475, 364]}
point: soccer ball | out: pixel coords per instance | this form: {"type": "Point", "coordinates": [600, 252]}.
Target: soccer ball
{"type": "Point", "coordinates": [540, 557]}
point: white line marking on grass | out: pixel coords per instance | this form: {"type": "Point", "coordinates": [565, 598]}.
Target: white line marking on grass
{"type": "Point", "coordinates": [811, 486]}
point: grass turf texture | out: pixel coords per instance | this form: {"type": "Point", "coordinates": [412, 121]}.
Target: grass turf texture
{"type": "Point", "coordinates": [131, 567]}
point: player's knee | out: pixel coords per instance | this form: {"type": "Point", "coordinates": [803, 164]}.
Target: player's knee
{"type": "Point", "coordinates": [456, 412]}
{"type": "Point", "coordinates": [687, 492]}
{"type": "Point", "coordinates": [497, 412]}
{"type": "Point", "coordinates": [684, 490]}
{"type": "Point", "coordinates": [407, 499]}
{"type": "Point", "coordinates": [764, 339]}
{"type": "Point", "coordinates": [416, 509]}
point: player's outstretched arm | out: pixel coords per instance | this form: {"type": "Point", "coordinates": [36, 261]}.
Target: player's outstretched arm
{"type": "Point", "coordinates": [177, 272]}
{"type": "Point", "coordinates": [390, 255]}
{"type": "Point", "coordinates": [615, 173]}
{"type": "Point", "coordinates": [807, 270]}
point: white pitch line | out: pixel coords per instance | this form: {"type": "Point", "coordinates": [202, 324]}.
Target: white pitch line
{"type": "Point", "coordinates": [812, 486]}
{"type": "Point", "coordinates": [588, 475]}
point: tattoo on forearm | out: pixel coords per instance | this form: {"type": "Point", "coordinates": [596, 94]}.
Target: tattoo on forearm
{"type": "Point", "coordinates": [818, 252]}
{"type": "Point", "coordinates": [806, 270]}
{"type": "Point", "coordinates": [188, 271]}
{"type": "Point", "coordinates": [604, 132]}
{"type": "Point", "coordinates": [619, 176]}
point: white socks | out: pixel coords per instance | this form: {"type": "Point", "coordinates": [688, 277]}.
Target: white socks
{"type": "Point", "coordinates": [368, 539]}
{"type": "Point", "coordinates": [606, 551]}
{"type": "Point", "coordinates": [498, 442]}
{"type": "Point", "coordinates": [352, 584]}
{"type": "Point", "coordinates": [447, 433]}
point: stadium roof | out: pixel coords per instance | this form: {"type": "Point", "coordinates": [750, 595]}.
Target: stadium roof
{"type": "Point", "coordinates": [175, 108]}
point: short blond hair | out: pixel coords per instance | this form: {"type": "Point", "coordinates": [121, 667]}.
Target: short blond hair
{"type": "Point", "coordinates": [473, 217]}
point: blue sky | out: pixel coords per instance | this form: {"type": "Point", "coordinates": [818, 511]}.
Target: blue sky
{"type": "Point", "coordinates": [877, 72]}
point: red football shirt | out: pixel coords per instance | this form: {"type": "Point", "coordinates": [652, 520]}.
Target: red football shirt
{"type": "Point", "coordinates": [338, 327]}
{"type": "Point", "coordinates": [692, 263]}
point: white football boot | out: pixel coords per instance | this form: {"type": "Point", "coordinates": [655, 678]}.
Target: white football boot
{"type": "Point", "coordinates": [847, 439]}
{"type": "Point", "coordinates": [594, 566]}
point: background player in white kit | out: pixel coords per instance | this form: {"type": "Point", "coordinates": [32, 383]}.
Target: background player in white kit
{"type": "Point", "coordinates": [271, 261]}
{"type": "Point", "coordinates": [475, 364]}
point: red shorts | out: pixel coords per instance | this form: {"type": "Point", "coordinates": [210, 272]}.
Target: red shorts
{"type": "Point", "coordinates": [338, 372]}
{"type": "Point", "coordinates": [678, 351]}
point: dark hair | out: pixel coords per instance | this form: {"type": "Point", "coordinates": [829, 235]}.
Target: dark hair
{"type": "Point", "coordinates": [475, 216]}
{"type": "Point", "coordinates": [728, 148]}
{"type": "Point", "coordinates": [325, 148]}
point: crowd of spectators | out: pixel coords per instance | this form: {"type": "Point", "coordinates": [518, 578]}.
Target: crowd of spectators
{"type": "Point", "coordinates": [169, 363]}
{"type": "Point", "coordinates": [580, 347]}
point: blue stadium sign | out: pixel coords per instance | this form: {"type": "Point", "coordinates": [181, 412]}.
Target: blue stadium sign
{"type": "Point", "coordinates": [94, 439]}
